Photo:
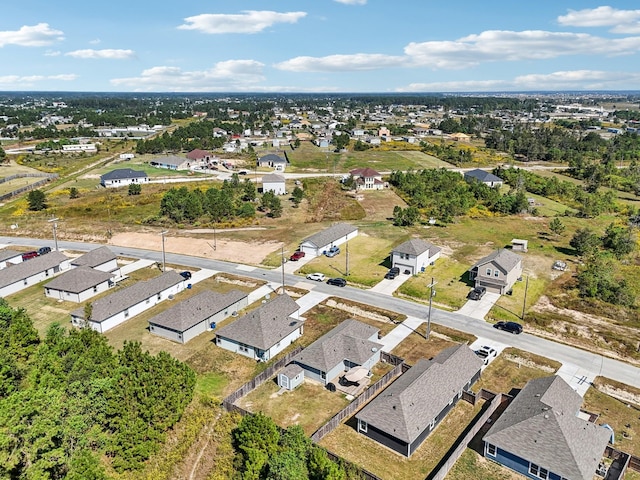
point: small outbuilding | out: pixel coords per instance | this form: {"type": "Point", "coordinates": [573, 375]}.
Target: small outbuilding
{"type": "Point", "coordinates": [519, 245]}
{"type": "Point", "coordinates": [324, 240]}
{"type": "Point", "coordinates": [291, 377]}
{"type": "Point", "coordinates": [275, 183]}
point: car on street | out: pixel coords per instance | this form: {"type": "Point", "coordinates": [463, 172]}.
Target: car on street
{"type": "Point", "coordinates": [486, 353]}
{"type": "Point", "coordinates": [44, 250]}
{"type": "Point", "coordinates": [511, 327]}
{"type": "Point", "coordinates": [29, 255]}
{"type": "Point", "coordinates": [296, 256]}
{"type": "Point", "coordinates": [392, 273]}
{"type": "Point", "coordinates": [186, 275]}
{"type": "Point", "coordinates": [332, 252]}
{"type": "Point", "coordinates": [316, 277]}
{"type": "Point", "coordinates": [477, 293]}
{"type": "Point", "coordinates": [338, 282]}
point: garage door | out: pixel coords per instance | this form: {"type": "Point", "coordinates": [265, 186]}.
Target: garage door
{"type": "Point", "coordinates": [491, 287]}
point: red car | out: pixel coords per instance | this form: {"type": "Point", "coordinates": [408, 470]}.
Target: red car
{"type": "Point", "coordinates": [296, 256]}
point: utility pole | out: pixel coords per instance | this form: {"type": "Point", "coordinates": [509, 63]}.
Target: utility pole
{"type": "Point", "coordinates": [55, 231]}
{"type": "Point", "coordinates": [431, 295]}
{"type": "Point", "coordinates": [214, 238]}
{"type": "Point", "coordinates": [524, 303]}
{"type": "Point", "coordinates": [164, 259]}
{"type": "Point", "coordinates": [347, 259]}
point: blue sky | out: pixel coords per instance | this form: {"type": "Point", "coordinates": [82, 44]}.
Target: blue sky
{"type": "Point", "coordinates": [319, 46]}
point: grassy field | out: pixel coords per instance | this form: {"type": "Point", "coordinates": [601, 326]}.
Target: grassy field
{"type": "Point", "coordinates": [473, 465]}
{"type": "Point", "coordinates": [387, 464]}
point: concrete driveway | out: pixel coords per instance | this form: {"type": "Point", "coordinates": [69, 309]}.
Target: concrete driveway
{"type": "Point", "coordinates": [387, 287]}
{"type": "Point", "coordinates": [497, 346]}
{"type": "Point", "coordinates": [479, 308]}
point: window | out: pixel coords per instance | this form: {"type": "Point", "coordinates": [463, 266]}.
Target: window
{"type": "Point", "coordinates": [95, 289]}
{"type": "Point", "coordinates": [489, 272]}
{"type": "Point", "coordinates": [159, 296]}
{"type": "Point", "coordinates": [25, 281]}
{"type": "Point", "coordinates": [323, 375]}
{"type": "Point", "coordinates": [491, 450]}
{"type": "Point", "coordinates": [432, 424]}
{"type": "Point", "coordinates": [496, 273]}
{"type": "Point", "coordinates": [362, 426]}
{"type": "Point", "coordinates": [46, 273]}
{"type": "Point", "coordinates": [126, 313]}
{"type": "Point", "coordinates": [244, 348]}
{"type": "Point", "coordinates": [538, 471]}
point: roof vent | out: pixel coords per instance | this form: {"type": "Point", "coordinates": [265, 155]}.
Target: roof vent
{"type": "Point", "coordinates": [374, 349]}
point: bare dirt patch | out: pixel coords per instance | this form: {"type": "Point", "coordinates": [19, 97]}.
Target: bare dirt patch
{"type": "Point", "coordinates": [359, 311]}
{"type": "Point", "coordinates": [229, 250]}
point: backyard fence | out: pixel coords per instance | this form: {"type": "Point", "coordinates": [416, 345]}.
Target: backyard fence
{"type": "Point", "coordinates": [365, 474]}
{"type": "Point", "coordinates": [463, 441]}
{"type": "Point", "coordinates": [356, 403]}
{"type": "Point", "coordinates": [47, 178]}
{"type": "Point", "coordinates": [251, 385]}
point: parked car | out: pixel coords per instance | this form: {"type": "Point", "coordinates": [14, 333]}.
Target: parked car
{"type": "Point", "coordinates": [296, 256]}
{"type": "Point", "coordinates": [392, 273]}
{"type": "Point", "coordinates": [186, 275]}
{"type": "Point", "coordinates": [511, 327]}
{"type": "Point", "coordinates": [29, 255]}
{"type": "Point", "coordinates": [317, 277]}
{"type": "Point", "coordinates": [44, 250]}
{"type": "Point", "coordinates": [477, 293]}
{"type": "Point", "coordinates": [332, 252]}
{"type": "Point", "coordinates": [485, 353]}
{"type": "Point", "coordinates": [338, 282]}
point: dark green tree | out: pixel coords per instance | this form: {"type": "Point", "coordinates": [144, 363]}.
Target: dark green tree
{"type": "Point", "coordinates": [249, 193]}
{"type": "Point", "coordinates": [585, 242]}
{"type": "Point", "coordinates": [37, 200]}
{"type": "Point", "coordinates": [135, 189]}
{"type": "Point", "coordinates": [73, 193]}
{"type": "Point", "coordinates": [556, 226]}
{"type": "Point", "coordinates": [297, 195]}
{"type": "Point", "coordinates": [620, 240]}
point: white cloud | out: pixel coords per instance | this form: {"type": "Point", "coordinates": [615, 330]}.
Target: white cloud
{"type": "Point", "coordinates": [109, 54]}
{"type": "Point", "coordinates": [227, 75]}
{"type": "Point", "coordinates": [499, 45]}
{"type": "Point", "coordinates": [52, 53]}
{"type": "Point", "coordinates": [39, 35]}
{"type": "Point", "coordinates": [352, 2]}
{"type": "Point", "coordinates": [96, 41]}
{"type": "Point", "coordinates": [249, 21]}
{"type": "Point", "coordinates": [341, 63]}
{"type": "Point", "coordinates": [27, 81]}
{"type": "Point", "coordinates": [563, 80]}
{"type": "Point", "coordinates": [620, 21]}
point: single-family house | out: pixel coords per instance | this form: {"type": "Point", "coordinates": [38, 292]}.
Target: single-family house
{"type": "Point", "coordinates": [483, 176]}
{"type": "Point", "coordinates": [540, 435]}
{"type": "Point", "coordinates": [414, 255]}
{"type": "Point", "coordinates": [200, 157]}
{"type": "Point", "coordinates": [9, 257]}
{"type": "Point", "coordinates": [171, 162]}
{"type": "Point", "coordinates": [277, 162]}
{"type": "Point", "coordinates": [275, 183]}
{"type": "Point", "coordinates": [498, 271]}
{"type": "Point", "coordinates": [460, 137]}
{"type": "Point", "coordinates": [367, 179]}
{"type": "Point", "coordinates": [79, 284]}
{"type": "Point", "coordinates": [322, 241]}
{"type": "Point", "coordinates": [112, 310]}
{"type": "Point", "coordinates": [197, 314]}
{"type": "Point", "coordinates": [101, 258]}
{"type": "Point", "coordinates": [121, 177]}
{"type": "Point", "coordinates": [403, 415]}
{"type": "Point", "coordinates": [350, 344]}
{"type": "Point", "coordinates": [24, 274]}
{"type": "Point", "coordinates": [264, 332]}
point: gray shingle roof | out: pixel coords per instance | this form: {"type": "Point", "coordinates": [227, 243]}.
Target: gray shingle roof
{"type": "Point", "coordinates": [417, 246]}
{"type": "Point", "coordinates": [482, 176]}
{"type": "Point", "coordinates": [78, 280]}
{"type": "Point", "coordinates": [349, 340]}
{"type": "Point", "coordinates": [95, 257]}
{"type": "Point", "coordinates": [272, 158]}
{"type": "Point", "coordinates": [407, 407]}
{"type": "Point", "coordinates": [541, 426]}
{"type": "Point", "coordinates": [106, 307]}
{"type": "Point", "coordinates": [503, 258]}
{"type": "Point", "coordinates": [272, 178]}
{"type": "Point", "coordinates": [266, 325]}
{"type": "Point", "coordinates": [29, 268]}
{"type": "Point", "coordinates": [190, 312]}
{"type": "Point", "coordinates": [6, 254]}
{"type": "Point", "coordinates": [122, 174]}
{"type": "Point", "coordinates": [330, 235]}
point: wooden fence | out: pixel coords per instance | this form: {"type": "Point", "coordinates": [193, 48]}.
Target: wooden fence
{"type": "Point", "coordinates": [47, 178]}
{"type": "Point", "coordinates": [255, 382]}
{"type": "Point", "coordinates": [365, 474]}
{"type": "Point", "coordinates": [356, 403]}
{"type": "Point", "coordinates": [458, 448]}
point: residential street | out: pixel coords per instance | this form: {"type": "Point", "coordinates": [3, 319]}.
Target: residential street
{"type": "Point", "coordinates": [590, 363]}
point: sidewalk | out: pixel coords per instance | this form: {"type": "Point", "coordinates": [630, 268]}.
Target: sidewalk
{"type": "Point", "coordinates": [392, 339]}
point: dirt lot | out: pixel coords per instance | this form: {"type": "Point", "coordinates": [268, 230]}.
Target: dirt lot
{"type": "Point", "coordinates": [229, 250]}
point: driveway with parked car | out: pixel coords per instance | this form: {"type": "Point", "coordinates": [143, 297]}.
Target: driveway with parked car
{"type": "Point", "coordinates": [479, 308]}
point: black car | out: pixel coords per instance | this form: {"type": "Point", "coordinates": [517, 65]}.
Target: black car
{"type": "Point", "coordinates": [186, 275]}
{"type": "Point", "coordinates": [44, 250]}
{"type": "Point", "coordinates": [338, 282]}
{"type": "Point", "coordinates": [392, 273]}
{"type": "Point", "coordinates": [477, 293]}
{"type": "Point", "coordinates": [511, 327]}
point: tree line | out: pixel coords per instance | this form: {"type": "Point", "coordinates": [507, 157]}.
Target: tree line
{"type": "Point", "coordinates": [69, 403]}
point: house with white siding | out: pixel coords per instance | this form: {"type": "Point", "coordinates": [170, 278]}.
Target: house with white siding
{"type": "Point", "coordinates": [101, 258]}
{"type": "Point", "coordinates": [122, 177]}
{"type": "Point", "coordinates": [79, 284]}
{"type": "Point", "coordinates": [25, 274]}
{"type": "Point", "coordinates": [9, 257]}
{"type": "Point", "coordinates": [112, 310]}
{"type": "Point", "coordinates": [274, 183]}
{"type": "Point", "coordinates": [264, 332]}
{"type": "Point", "coordinates": [414, 255]}
{"type": "Point", "coordinates": [197, 314]}
{"type": "Point", "coordinates": [322, 241]}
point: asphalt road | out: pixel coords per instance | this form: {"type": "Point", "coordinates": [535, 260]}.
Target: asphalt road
{"type": "Point", "coordinates": [595, 363]}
